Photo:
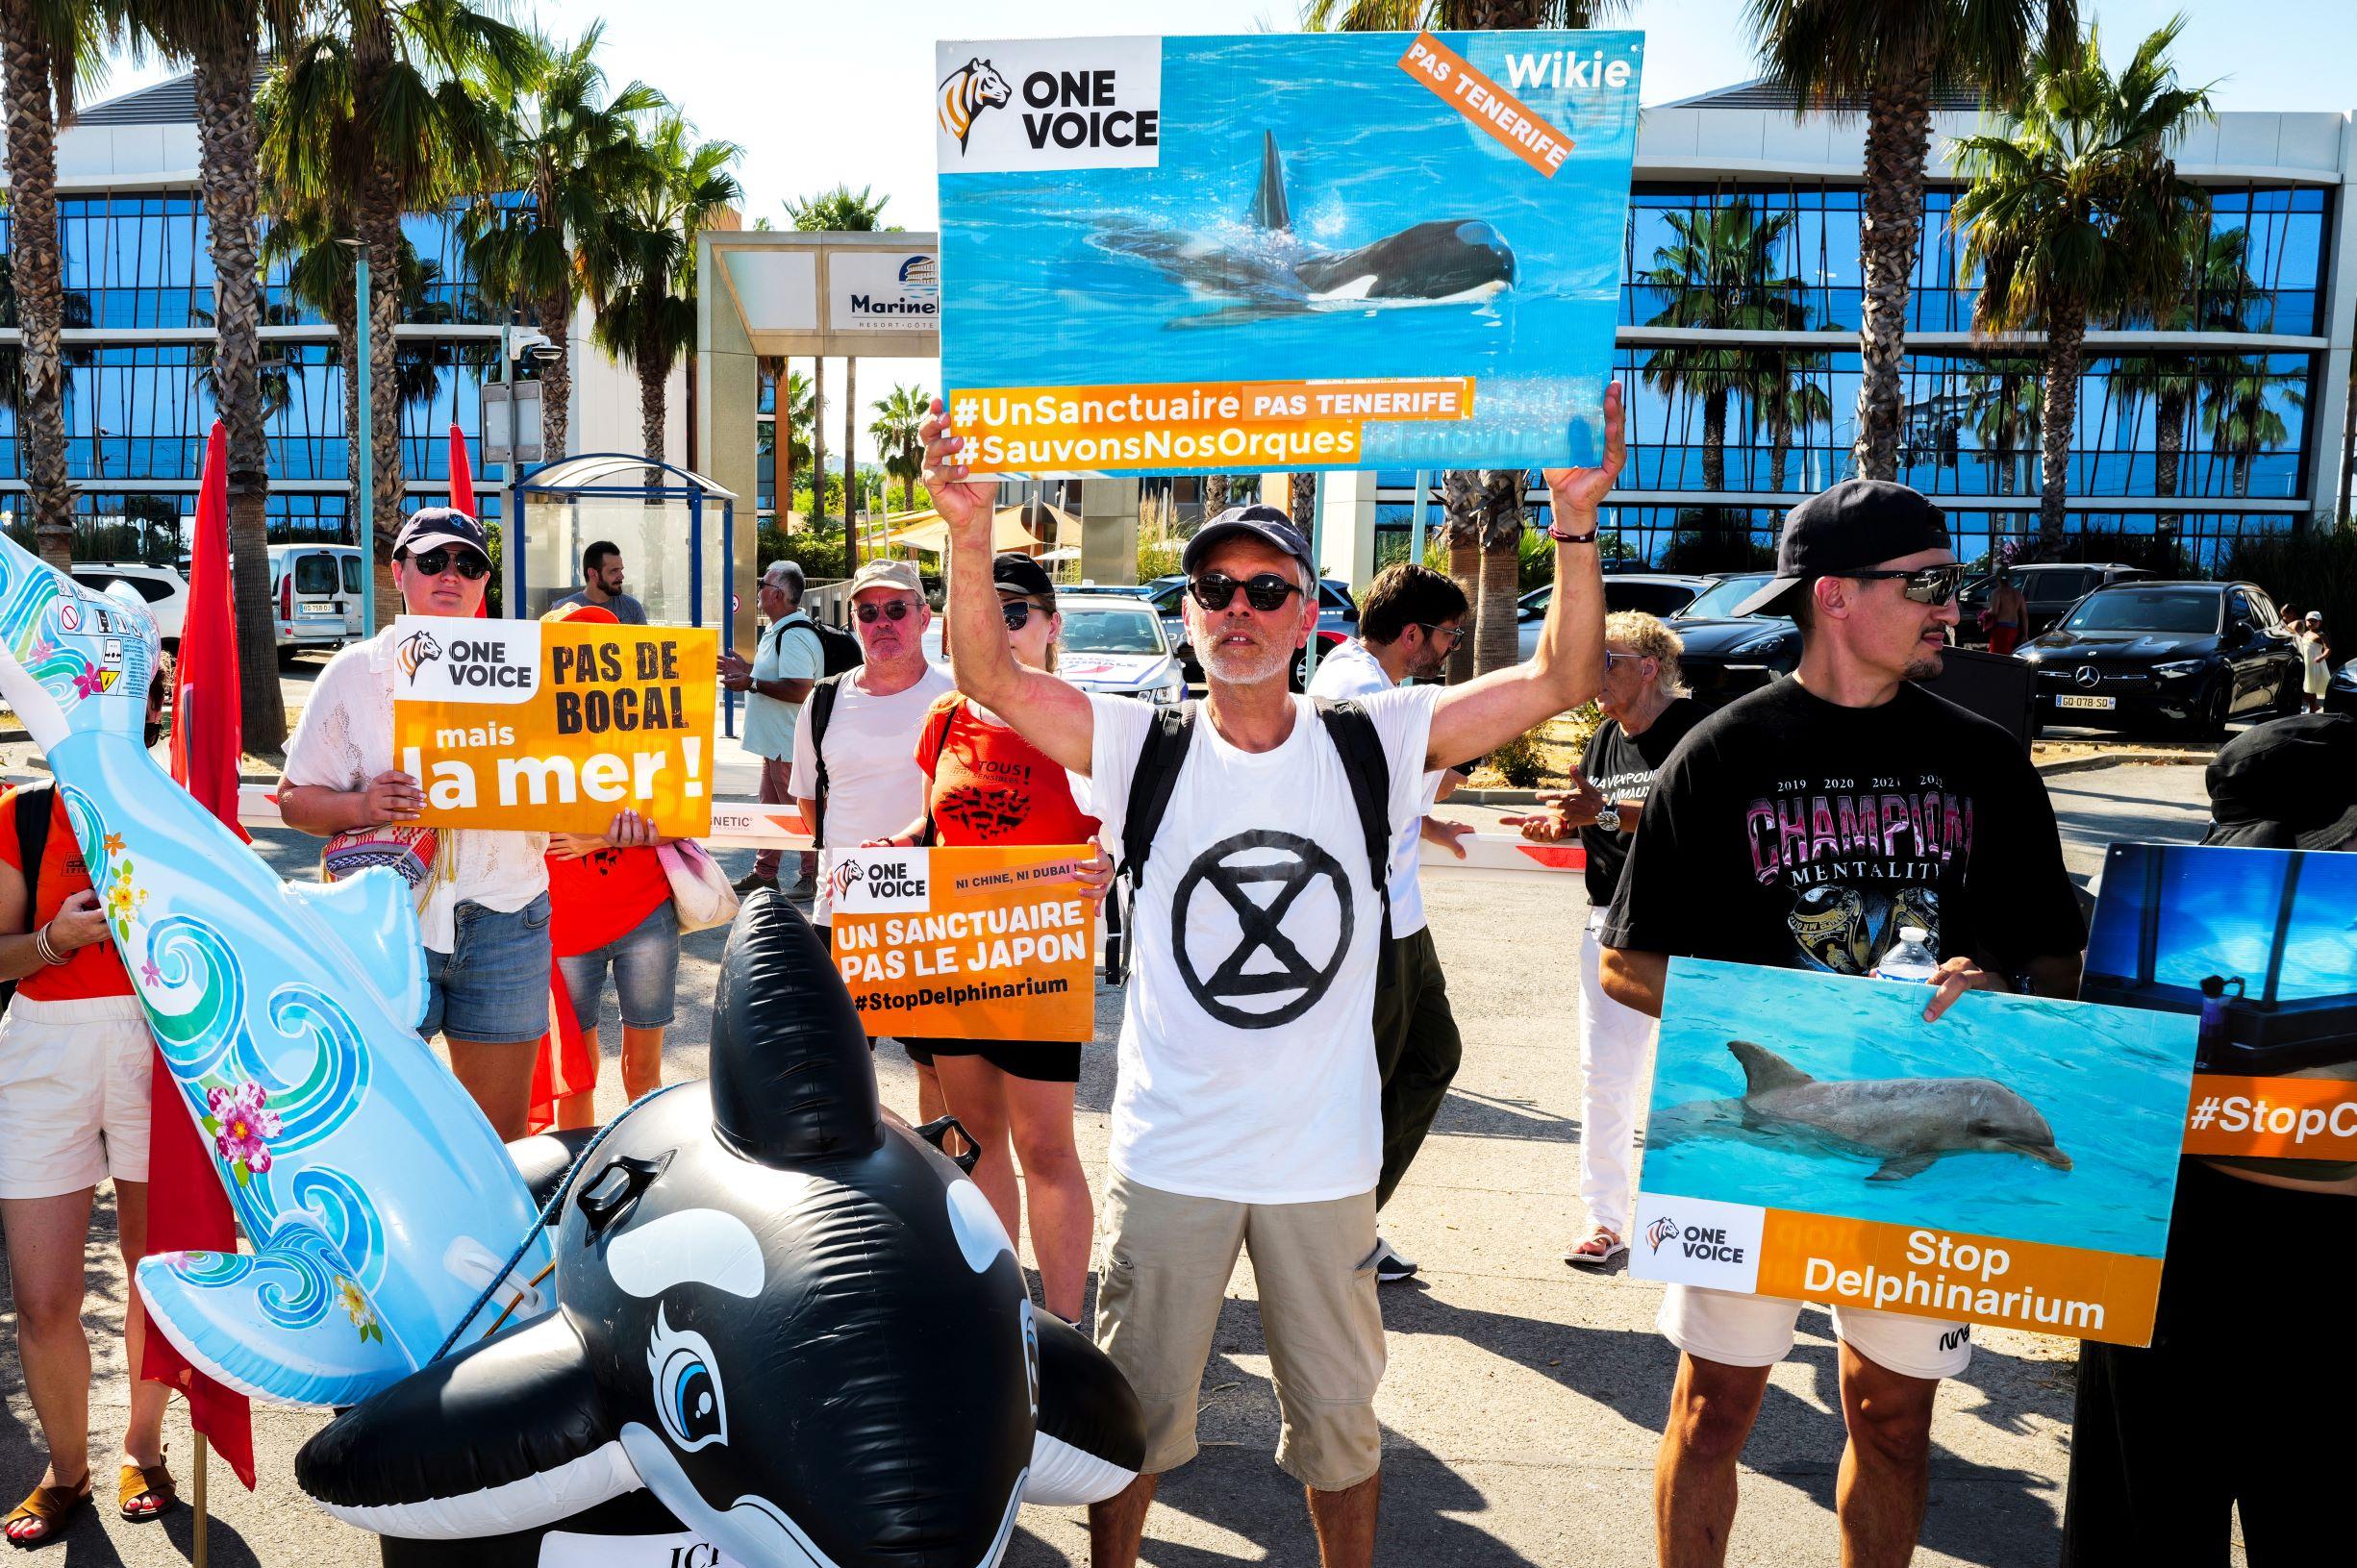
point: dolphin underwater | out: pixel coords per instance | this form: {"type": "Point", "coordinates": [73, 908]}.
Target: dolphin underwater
{"type": "Point", "coordinates": [1906, 1122]}
{"type": "Point", "coordinates": [1271, 271]}
{"type": "Point", "coordinates": [801, 1329]}
{"type": "Point", "coordinates": [378, 1200]}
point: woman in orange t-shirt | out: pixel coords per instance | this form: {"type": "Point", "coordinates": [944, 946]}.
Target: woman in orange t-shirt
{"type": "Point", "coordinates": [990, 786]}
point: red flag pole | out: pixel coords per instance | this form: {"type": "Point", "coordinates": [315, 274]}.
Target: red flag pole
{"type": "Point", "coordinates": [187, 1208]}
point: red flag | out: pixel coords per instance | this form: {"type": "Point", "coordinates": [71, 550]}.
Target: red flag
{"type": "Point", "coordinates": [462, 495]}
{"type": "Point", "coordinates": [187, 1208]}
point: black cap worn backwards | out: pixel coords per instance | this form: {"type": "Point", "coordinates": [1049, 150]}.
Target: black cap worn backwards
{"type": "Point", "coordinates": [1264, 523]}
{"type": "Point", "coordinates": [1017, 573]}
{"type": "Point", "coordinates": [1853, 527]}
{"type": "Point", "coordinates": [2289, 784]}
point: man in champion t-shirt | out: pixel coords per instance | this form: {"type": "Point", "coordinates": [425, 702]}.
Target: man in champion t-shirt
{"type": "Point", "coordinates": [1246, 1113]}
{"type": "Point", "coordinates": [1801, 825]}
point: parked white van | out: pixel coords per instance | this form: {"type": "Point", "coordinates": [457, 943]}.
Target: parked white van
{"type": "Point", "coordinates": [316, 594]}
{"type": "Point", "coordinates": [166, 591]}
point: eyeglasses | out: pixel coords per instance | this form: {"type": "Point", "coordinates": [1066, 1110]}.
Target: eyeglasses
{"type": "Point", "coordinates": [1924, 585]}
{"type": "Point", "coordinates": [1214, 591]}
{"type": "Point", "coordinates": [443, 558]}
{"type": "Point", "coordinates": [1454, 635]}
{"type": "Point", "coordinates": [894, 610]}
{"type": "Point", "coordinates": [1018, 613]}
{"type": "Point", "coordinates": [1614, 660]}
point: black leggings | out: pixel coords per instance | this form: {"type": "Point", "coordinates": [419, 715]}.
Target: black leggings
{"type": "Point", "coordinates": [2241, 1400]}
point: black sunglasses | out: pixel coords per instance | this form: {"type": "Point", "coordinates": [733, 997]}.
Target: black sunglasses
{"type": "Point", "coordinates": [1214, 591]}
{"type": "Point", "coordinates": [1018, 613]}
{"type": "Point", "coordinates": [894, 610]}
{"type": "Point", "coordinates": [1455, 634]}
{"type": "Point", "coordinates": [1924, 585]}
{"type": "Point", "coordinates": [443, 558]}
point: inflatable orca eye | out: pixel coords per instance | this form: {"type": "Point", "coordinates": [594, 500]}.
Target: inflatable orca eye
{"type": "Point", "coordinates": [687, 1395]}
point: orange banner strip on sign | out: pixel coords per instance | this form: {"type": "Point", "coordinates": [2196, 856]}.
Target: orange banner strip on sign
{"type": "Point", "coordinates": [1457, 82]}
{"type": "Point", "coordinates": [1924, 1272]}
{"type": "Point", "coordinates": [2278, 1118]}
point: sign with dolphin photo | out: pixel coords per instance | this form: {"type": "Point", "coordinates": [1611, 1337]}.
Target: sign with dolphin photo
{"type": "Point", "coordinates": [1283, 252]}
{"type": "Point", "coordinates": [2014, 1162]}
{"type": "Point", "coordinates": [2259, 946]}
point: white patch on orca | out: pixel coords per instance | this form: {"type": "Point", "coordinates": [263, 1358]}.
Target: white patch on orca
{"type": "Point", "coordinates": [1357, 288]}
{"type": "Point", "coordinates": [687, 1395]}
{"type": "Point", "coordinates": [692, 1246]}
{"type": "Point", "coordinates": [981, 1238]}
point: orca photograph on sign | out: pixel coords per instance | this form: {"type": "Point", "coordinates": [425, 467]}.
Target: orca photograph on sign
{"type": "Point", "coordinates": [2258, 945]}
{"type": "Point", "coordinates": [2013, 1161]}
{"type": "Point", "coordinates": [1325, 250]}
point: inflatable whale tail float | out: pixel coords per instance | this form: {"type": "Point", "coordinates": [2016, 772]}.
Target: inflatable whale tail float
{"type": "Point", "coordinates": [378, 1200]}
{"type": "Point", "coordinates": [801, 1329]}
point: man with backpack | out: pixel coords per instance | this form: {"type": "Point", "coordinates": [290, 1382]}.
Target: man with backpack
{"type": "Point", "coordinates": [794, 652]}
{"type": "Point", "coordinates": [1256, 833]}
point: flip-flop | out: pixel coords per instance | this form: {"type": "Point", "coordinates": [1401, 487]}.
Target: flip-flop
{"type": "Point", "coordinates": [54, 1506]}
{"type": "Point", "coordinates": [1582, 1257]}
{"type": "Point", "coordinates": [137, 1482]}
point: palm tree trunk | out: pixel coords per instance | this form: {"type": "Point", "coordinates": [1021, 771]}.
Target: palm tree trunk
{"type": "Point", "coordinates": [35, 262]}
{"type": "Point", "coordinates": [378, 220]}
{"type": "Point", "coordinates": [347, 355]}
{"type": "Point", "coordinates": [851, 471]}
{"type": "Point", "coordinates": [1496, 636]}
{"type": "Point", "coordinates": [225, 136]}
{"type": "Point", "coordinates": [1301, 500]}
{"type": "Point", "coordinates": [1715, 441]}
{"type": "Point", "coordinates": [818, 441]}
{"type": "Point", "coordinates": [1898, 138]}
{"type": "Point", "coordinates": [2065, 338]}
{"type": "Point", "coordinates": [1460, 503]}
{"type": "Point", "coordinates": [1779, 445]}
{"type": "Point", "coordinates": [1214, 495]}
{"type": "Point", "coordinates": [2168, 439]}
{"type": "Point", "coordinates": [554, 316]}
{"type": "Point", "coordinates": [782, 438]}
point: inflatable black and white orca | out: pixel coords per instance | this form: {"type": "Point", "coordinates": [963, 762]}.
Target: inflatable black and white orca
{"type": "Point", "coordinates": [801, 1329]}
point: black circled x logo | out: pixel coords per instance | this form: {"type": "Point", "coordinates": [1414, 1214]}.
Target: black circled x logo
{"type": "Point", "coordinates": [1296, 868]}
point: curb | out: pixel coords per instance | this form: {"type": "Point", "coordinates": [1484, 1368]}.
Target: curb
{"type": "Point", "coordinates": [1492, 797]}
{"type": "Point", "coordinates": [2126, 758]}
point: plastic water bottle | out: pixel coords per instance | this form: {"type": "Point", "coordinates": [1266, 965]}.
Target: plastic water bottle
{"type": "Point", "coordinates": [1911, 958]}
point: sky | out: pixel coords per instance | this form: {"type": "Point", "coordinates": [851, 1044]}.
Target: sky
{"type": "Point", "coordinates": [818, 92]}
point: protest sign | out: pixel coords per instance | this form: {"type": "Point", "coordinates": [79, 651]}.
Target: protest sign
{"type": "Point", "coordinates": [553, 727]}
{"type": "Point", "coordinates": [986, 944]}
{"type": "Point", "coordinates": [1300, 250]}
{"type": "Point", "coordinates": [2255, 945]}
{"type": "Point", "coordinates": [2014, 1162]}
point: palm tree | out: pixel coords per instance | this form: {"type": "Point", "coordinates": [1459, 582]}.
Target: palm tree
{"type": "Point", "coordinates": [648, 319]}
{"type": "Point", "coordinates": [899, 418]}
{"type": "Point", "coordinates": [845, 211]}
{"type": "Point", "coordinates": [569, 149]}
{"type": "Point", "coordinates": [390, 106]}
{"type": "Point", "coordinates": [1892, 56]}
{"type": "Point", "coordinates": [2238, 415]}
{"type": "Point", "coordinates": [223, 42]}
{"type": "Point", "coordinates": [45, 47]}
{"type": "Point", "coordinates": [1785, 393]}
{"type": "Point", "coordinates": [2075, 209]}
{"type": "Point", "coordinates": [2219, 286]}
{"type": "Point", "coordinates": [1719, 272]}
{"type": "Point", "coordinates": [841, 210]}
{"type": "Point", "coordinates": [795, 410]}
{"type": "Point", "coordinates": [2008, 403]}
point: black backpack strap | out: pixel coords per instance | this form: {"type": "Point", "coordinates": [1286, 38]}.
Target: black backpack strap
{"type": "Point", "coordinates": [936, 741]}
{"type": "Point", "coordinates": [1353, 733]}
{"type": "Point", "coordinates": [1150, 788]}
{"type": "Point", "coordinates": [823, 692]}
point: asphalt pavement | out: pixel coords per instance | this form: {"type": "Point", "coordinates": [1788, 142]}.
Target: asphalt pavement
{"type": "Point", "coordinates": [1523, 1400]}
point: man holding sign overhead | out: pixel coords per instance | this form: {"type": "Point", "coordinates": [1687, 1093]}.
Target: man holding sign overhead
{"type": "Point", "coordinates": [1247, 1109]}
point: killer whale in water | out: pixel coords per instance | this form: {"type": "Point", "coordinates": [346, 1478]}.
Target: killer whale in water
{"type": "Point", "coordinates": [1906, 1122]}
{"type": "Point", "coordinates": [1270, 270]}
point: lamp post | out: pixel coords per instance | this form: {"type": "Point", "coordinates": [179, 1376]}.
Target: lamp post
{"type": "Point", "coordinates": [364, 496]}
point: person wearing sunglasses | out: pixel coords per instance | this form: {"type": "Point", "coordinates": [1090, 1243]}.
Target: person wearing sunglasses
{"type": "Point", "coordinates": [1248, 1102]}
{"type": "Point", "coordinates": [1411, 621]}
{"type": "Point", "coordinates": [1801, 825]}
{"type": "Point", "coordinates": [485, 915]}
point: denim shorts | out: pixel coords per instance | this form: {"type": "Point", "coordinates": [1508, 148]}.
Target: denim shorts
{"type": "Point", "coordinates": [493, 986]}
{"type": "Point", "coordinates": [645, 961]}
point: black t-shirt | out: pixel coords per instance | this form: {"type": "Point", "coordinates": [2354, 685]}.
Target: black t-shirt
{"type": "Point", "coordinates": [1622, 767]}
{"type": "Point", "coordinates": [1791, 832]}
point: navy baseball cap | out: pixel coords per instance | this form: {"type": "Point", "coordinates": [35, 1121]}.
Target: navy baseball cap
{"type": "Point", "coordinates": [1854, 527]}
{"type": "Point", "coordinates": [1266, 523]}
{"type": "Point", "coordinates": [430, 526]}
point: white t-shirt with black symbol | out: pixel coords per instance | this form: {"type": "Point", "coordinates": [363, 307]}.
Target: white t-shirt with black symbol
{"type": "Point", "coordinates": [1247, 1056]}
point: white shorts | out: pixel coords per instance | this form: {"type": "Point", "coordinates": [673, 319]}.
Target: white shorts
{"type": "Point", "coordinates": [73, 1094]}
{"type": "Point", "coordinates": [1757, 1331]}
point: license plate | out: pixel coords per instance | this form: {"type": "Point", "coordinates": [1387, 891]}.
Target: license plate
{"type": "Point", "coordinates": [2106, 704]}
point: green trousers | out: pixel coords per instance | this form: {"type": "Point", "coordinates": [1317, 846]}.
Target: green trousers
{"type": "Point", "coordinates": [1416, 1049]}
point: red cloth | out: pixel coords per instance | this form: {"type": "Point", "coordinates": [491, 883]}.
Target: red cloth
{"type": "Point", "coordinates": [564, 1067]}
{"type": "Point", "coordinates": [188, 1211]}
{"type": "Point", "coordinates": [601, 897]}
{"type": "Point", "coordinates": [462, 495]}
{"type": "Point", "coordinates": [2003, 638]}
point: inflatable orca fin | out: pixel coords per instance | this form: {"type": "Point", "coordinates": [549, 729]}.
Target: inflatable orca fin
{"type": "Point", "coordinates": [286, 1323]}
{"type": "Point", "coordinates": [505, 1435]}
{"type": "Point", "coordinates": [1090, 1440]}
{"type": "Point", "coordinates": [372, 915]}
{"type": "Point", "coordinates": [1269, 209]}
{"type": "Point", "coordinates": [789, 1083]}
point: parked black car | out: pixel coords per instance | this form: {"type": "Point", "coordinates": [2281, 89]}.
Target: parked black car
{"type": "Point", "coordinates": [1727, 655]}
{"type": "Point", "coordinates": [2048, 589]}
{"type": "Point", "coordinates": [2340, 697]}
{"type": "Point", "coordinates": [2147, 653]}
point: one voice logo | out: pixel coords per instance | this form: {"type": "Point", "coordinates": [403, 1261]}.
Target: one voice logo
{"type": "Point", "coordinates": [498, 663]}
{"type": "Point", "coordinates": [1049, 104]}
{"type": "Point", "coordinates": [1702, 1241]}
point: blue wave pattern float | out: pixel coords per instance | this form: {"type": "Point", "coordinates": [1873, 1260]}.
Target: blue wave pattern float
{"type": "Point", "coordinates": [376, 1198]}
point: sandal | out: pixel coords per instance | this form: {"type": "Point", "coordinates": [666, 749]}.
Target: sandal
{"type": "Point", "coordinates": [144, 1492]}
{"type": "Point", "coordinates": [53, 1505]}
{"type": "Point", "coordinates": [1597, 1252]}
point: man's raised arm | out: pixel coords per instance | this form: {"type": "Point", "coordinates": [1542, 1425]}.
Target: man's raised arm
{"type": "Point", "coordinates": [1568, 668]}
{"type": "Point", "coordinates": [1052, 715]}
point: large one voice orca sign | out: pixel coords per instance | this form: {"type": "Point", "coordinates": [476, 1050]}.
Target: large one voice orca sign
{"type": "Point", "coordinates": [1811, 1137]}
{"type": "Point", "coordinates": [1322, 251]}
